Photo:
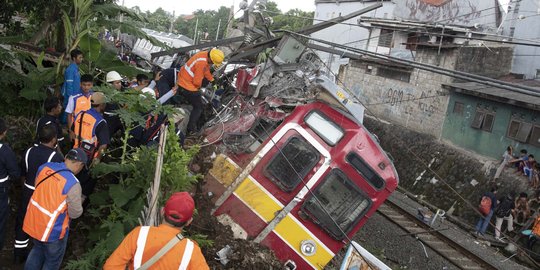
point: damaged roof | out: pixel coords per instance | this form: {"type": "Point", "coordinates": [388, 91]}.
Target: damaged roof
{"type": "Point", "coordinates": [496, 94]}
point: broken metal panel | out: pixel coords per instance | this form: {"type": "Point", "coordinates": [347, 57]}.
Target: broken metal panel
{"type": "Point", "coordinates": [340, 97]}
{"type": "Point", "coordinates": [289, 50]}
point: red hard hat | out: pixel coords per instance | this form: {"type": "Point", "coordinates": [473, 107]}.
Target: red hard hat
{"type": "Point", "coordinates": [179, 207]}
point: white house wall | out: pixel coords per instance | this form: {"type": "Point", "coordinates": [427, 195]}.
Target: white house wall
{"type": "Point", "coordinates": [483, 13]}
{"type": "Point", "coordinates": [343, 33]}
{"type": "Point", "coordinates": [526, 58]}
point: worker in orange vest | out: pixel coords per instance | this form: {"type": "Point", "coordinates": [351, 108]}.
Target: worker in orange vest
{"type": "Point", "coordinates": [162, 247]}
{"type": "Point", "coordinates": [55, 201]}
{"type": "Point", "coordinates": [191, 77]}
{"type": "Point", "coordinates": [79, 102]}
{"type": "Point", "coordinates": [92, 135]}
{"type": "Point", "coordinates": [535, 234]}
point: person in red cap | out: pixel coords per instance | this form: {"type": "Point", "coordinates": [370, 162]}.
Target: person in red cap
{"type": "Point", "coordinates": [162, 247]}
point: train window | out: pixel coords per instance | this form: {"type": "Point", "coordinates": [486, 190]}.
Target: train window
{"type": "Point", "coordinates": [365, 170]}
{"type": "Point", "coordinates": [329, 131]}
{"type": "Point", "coordinates": [303, 157]}
{"type": "Point", "coordinates": [337, 201]}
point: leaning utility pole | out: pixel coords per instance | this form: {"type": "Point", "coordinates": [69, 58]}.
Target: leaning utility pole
{"type": "Point", "coordinates": [172, 22]}
{"type": "Point", "coordinates": [218, 26]}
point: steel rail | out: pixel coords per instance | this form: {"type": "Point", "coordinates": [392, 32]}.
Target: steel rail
{"type": "Point", "coordinates": [440, 243]}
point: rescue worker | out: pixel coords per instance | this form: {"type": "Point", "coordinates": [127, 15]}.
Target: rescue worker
{"type": "Point", "coordinates": [114, 79]}
{"type": "Point", "coordinates": [72, 78]}
{"type": "Point", "coordinates": [34, 157]}
{"type": "Point", "coordinates": [191, 78]}
{"type": "Point", "coordinates": [55, 201]}
{"type": "Point", "coordinates": [143, 243]}
{"type": "Point", "coordinates": [8, 171]}
{"type": "Point", "coordinates": [53, 109]}
{"type": "Point", "coordinates": [144, 82]}
{"type": "Point", "coordinates": [92, 136]}
{"type": "Point", "coordinates": [79, 102]}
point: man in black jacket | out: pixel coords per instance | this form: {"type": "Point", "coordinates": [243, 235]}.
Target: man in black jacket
{"type": "Point", "coordinates": [504, 212]}
{"type": "Point", "coordinates": [34, 157]}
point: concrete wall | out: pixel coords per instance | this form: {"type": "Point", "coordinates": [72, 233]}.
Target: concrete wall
{"type": "Point", "coordinates": [418, 105]}
{"type": "Point", "coordinates": [456, 12]}
{"type": "Point", "coordinates": [421, 104]}
{"type": "Point", "coordinates": [526, 58]}
{"type": "Point", "coordinates": [342, 33]}
{"type": "Point", "coordinates": [457, 127]}
{"type": "Point", "coordinates": [493, 62]}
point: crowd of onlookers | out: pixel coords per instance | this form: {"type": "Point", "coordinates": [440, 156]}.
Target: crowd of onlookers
{"type": "Point", "coordinates": [523, 164]}
{"type": "Point", "coordinates": [521, 211]}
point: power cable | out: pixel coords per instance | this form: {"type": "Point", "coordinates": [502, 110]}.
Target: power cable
{"type": "Point", "coordinates": [418, 28]}
{"type": "Point", "coordinates": [436, 69]}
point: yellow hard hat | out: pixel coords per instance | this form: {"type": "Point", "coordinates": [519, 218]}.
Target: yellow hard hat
{"type": "Point", "coordinates": [217, 56]}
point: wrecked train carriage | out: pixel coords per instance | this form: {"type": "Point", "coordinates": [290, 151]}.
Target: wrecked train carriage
{"type": "Point", "coordinates": [298, 172]}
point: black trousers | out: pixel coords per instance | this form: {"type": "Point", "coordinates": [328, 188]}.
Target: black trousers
{"type": "Point", "coordinates": [87, 182]}
{"type": "Point", "coordinates": [4, 212]}
{"type": "Point", "coordinates": [195, 99]}
{"type": "Point", "coordinates": [21, 238]}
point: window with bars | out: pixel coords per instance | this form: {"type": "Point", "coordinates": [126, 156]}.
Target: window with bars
{"type": "Point", "coordinates": [535, 136]}
{"type": "Point", "coordinates": [520, 130]}
{"type": "Point", "coordinates": [385, 38]}
{"type": "Point", "coordinates": [458, 108]}
{"type": "Point", "coordinates": [483, 120]}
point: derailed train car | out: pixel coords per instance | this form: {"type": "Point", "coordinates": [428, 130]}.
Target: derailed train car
{"type": "Point", "coordinates": [298, 173]}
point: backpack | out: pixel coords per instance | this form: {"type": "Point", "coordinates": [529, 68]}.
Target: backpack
{"type": "Point", "coordinates": [504, 208]}
{"type": "Point", "coordinates": [485, 205]}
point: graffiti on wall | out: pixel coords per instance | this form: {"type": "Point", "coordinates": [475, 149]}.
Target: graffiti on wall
{"type": "Point", "coordinates": [463, 12]}
{"type": "Point", "coordinates": [409, 101]}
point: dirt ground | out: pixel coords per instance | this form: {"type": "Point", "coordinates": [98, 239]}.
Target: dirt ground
{"type": "Point", "coordinates": [246, 254]}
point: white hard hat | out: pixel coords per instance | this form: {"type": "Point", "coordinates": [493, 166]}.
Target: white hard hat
{"type": "Point", "coordinates": [149, 91]}
{"type": "Point", "coordinates": [113, 76]}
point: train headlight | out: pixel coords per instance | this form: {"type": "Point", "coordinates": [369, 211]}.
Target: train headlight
{"type": "Point", "coordinates": [308, 247]}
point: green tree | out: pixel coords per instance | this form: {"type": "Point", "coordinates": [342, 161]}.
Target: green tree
{"type": "Point", "coordinates": [292, 20]}
{"type": "Point", "coordinates": [208, 21]}
{"type": "Point", "coordinates": [159, 20]}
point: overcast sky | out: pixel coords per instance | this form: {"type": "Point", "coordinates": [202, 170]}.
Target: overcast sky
{"type": "Point", "coordinates": [189, 6]}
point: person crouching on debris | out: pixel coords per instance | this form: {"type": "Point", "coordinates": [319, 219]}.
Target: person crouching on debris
{"type": "Point", "coordinates": [191, 78]}
{"type": "Point", "coordinates": [161, 247]}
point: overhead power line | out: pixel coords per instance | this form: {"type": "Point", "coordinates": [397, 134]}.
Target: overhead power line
{"type": "Point", "coordinates": [436, 69]}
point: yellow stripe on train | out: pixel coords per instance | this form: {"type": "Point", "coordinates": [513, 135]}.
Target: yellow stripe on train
{"type": "Point", "coordinates": [257, 198]}
{"type": "Point", "coordinates": [289, 229]}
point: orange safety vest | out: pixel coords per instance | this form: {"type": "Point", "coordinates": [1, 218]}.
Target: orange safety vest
{"type": "Point", "coordinates": [144, 242]}
{"type": "Point", "coordinates": [47, 219]}
{"type": "Point", "coordinates": [86, 131]}
{"type": "Point", "coordinates": [194, 71]}
{"type": "Point", "coordinates": [81, 103]}
{"type": "Point", "coordinates": [536, 227]}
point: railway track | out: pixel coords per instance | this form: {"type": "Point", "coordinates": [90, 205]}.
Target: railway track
{"type": "Point", "coordinates": [446, 247]}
